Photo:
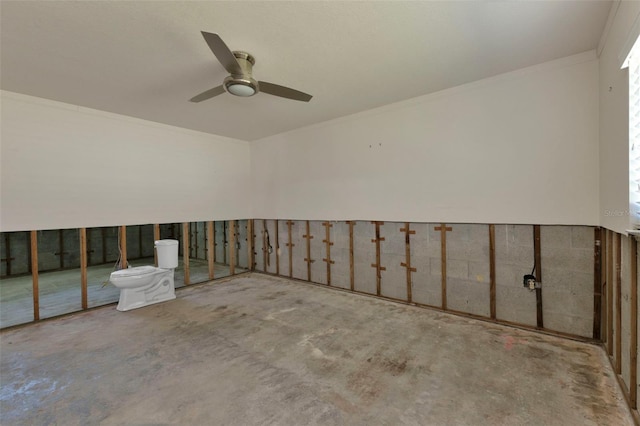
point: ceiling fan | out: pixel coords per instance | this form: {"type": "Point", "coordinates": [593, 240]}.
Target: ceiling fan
{"type": "Point", "coordinates": [241, 83]}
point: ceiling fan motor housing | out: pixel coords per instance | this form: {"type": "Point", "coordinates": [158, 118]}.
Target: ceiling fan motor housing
{"type": "Point", "coordinates": [246, 62]}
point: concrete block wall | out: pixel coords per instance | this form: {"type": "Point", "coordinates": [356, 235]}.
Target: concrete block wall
{"type": "Point", "coordinates": [172, 231]}
{"type": "Point", "coordinates": [134, 245]}
{"type": "Point", "coordinates": [71, 248]}
{"type": "Point", "coordinates": [140, 241]}
{"type": "Point", "coordinates": [221, 238]}
{"type": "Point", "coordinates": [514, 258]}
{"type": "Point", "coordinates": [103, 245]}
{"type": "Point", "coordinates": [242, 256]}
{"type": "Point", "coordinates": [468, 269]}
{"type": "Point", "coordinates": [271, 266]}
{"type": "Point", "coordinates": [426, 257]}
{"type": "Point", "coordinates": [282, 248]}
{"type": "Point", "coordinates": [567, 277]}
{"type": "Point", "coordinates": [318, 251]}
{"type": "Point", "coordinates": [16, 247]}
{"type": "Point", "coordinates": [341, 268]}
{"type": "Point", "coordinates": [364, 254]}
{"type": "Point", "coordinates": [197, 240]}
{"type": "Point", "coordinates": [567, 267]}
{"type": "Point", "coordinates": [48, 246]}
{"type": "Point", "coordinates": [299, 249]}
{"type": "Point", "coordinates": [392, 254]}
{"type": "Point", "coordinates": [258, 245]}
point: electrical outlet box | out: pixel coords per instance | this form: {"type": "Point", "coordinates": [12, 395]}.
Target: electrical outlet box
{"type": "Point", "coordinates": [529, 281]}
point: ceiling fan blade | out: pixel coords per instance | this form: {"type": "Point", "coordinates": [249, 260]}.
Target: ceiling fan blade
{"type": "Point", "coordinates": [222, 52]}
{"type": "Point", "coordinates": [208, 94]}
{"type": "Point", "coordinates": [283, 92]}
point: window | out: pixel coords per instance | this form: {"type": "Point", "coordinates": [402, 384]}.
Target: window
{"type": "Point", "coordinates": [634, 134]}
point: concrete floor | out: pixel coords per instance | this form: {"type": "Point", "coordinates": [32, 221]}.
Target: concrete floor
{"type": "Point", "coordinates": [263, 350]}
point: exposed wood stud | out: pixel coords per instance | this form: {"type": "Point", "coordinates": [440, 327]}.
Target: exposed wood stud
{"type": "Point", "coordinates": [139, 242]}
{"type": "Point", "coordinates": [610, 287]}
{"type": "Point", "coordinates": [8, 259]}
{"type": "Point", "coordinates": [603, 279]}
{"type": "Point", "coordinates": [83, 266]}
{"type": "Point", "coordinates": [352, 280]}
{"type": "Point", "coordinates": [290, 246]}
{"type": "Point", "coordinates": [34, 274]}
{"type": "Point", "coordinates": [185, 253]}
{"type": "Point", "coordinates": [103, 232]}
{"type": "Point", "coordinates": [377, 265]}
{"type": "Point", "coordinates": [407, 263]}
{"type": "Point", "coordinates": [29, 260]}
{"type": "Point", "coordinates": [443, 228]}
{"type": "Point", "coordinates": [492, 271]}
{"type": "Point", "coordinates": [213, 238]}
{"type": "Point", "coordinates": [265, 245]}
{"type": "Point", "coordinates": [328, 244]}
{"type": "Point", "coordinates": [538, 262]}
{"type": "Point", "coordinates": [61, 251]}
{"type": "Point", "coordinates": [618, 326]}
{"type": "Point", "coordinates": [308, 259]}
{"type": "Point", "coordinates": [156, 237]}
{"type": "Point", "coordinates": [597, 285]}
{"type": "Point", "coordinates": [232, 247]}
{"type": "Point", "coordinates": [250, 244]}
{"type": "Point", "coordinates": [210, 249]}
{"type": "Point", "coordinates": [225, 242]}
{"type": "Point", "coordinates": [633, 301]}
{"type": "Point", "coordinates": [123, 247]}
{"type": "Point", "coordinates": [89, 251]}
{"type": "Point", "coordinates": [277, 247]}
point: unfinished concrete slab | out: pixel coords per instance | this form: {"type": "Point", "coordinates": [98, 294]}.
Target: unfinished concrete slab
{"type": "Point", "coordinates": [265, 350]}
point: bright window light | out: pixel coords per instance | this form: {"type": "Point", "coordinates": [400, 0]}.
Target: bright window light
{"type": "Point", "coordinates": [634, 134]}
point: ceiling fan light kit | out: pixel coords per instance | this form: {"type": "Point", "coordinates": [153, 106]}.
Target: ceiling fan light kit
{"type": "Point", "coordinates": [240, 82]}
{"type": "Point", "coordinates": [240, 89]}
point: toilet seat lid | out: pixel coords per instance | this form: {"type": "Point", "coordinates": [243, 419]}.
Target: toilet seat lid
{"type": "Point", "coordinates": [132, 272]}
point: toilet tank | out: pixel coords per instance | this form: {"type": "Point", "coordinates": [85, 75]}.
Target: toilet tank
{"type": "Point", "coordinates": [167, 251]}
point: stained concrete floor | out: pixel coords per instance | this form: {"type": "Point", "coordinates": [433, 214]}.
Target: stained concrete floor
{"type": "Point", "coordinates": [262, 350]}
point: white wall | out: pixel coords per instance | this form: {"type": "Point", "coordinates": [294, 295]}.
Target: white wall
{"type": "Point", "coordinates": [614, 119]}
{"type": "Point", "coordinates": [64, 166]}
{"type": "Point", "coordinates": [517, 148]}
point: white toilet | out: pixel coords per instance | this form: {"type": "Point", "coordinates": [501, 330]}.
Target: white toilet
{"type": "Point", "coordinates": [146, 285]}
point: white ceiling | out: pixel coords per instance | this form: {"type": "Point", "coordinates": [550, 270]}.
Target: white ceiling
{"type": "Point", "coordinates": [146, 59]}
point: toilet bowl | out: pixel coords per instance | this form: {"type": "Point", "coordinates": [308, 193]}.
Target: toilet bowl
{"type": "Point", "coordinates": [146, 285]}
